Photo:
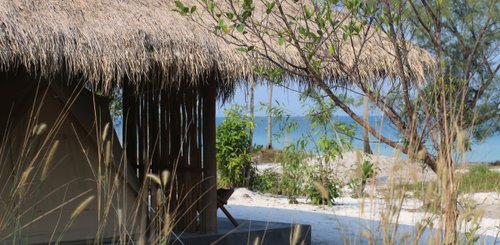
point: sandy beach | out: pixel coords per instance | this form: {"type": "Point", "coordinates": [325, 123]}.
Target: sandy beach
{"type": "Point", "coordinates": [356, 219]}
{"type": "Point", "coordinates": [351, 220]}
{"type": "Point", "coordinates": [387, 168]}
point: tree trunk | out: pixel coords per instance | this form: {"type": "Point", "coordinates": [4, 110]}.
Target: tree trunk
{"type": "Point", "coordinates": [449, 200]}
{"type": "Point", "coordinates": [366, 137]}
{"type": "Point", "coordinates": [251, 108]}
{"type": "Point", "coordinates": [208, 219]}
{"type": "Point", "coordinates": [269, 116]}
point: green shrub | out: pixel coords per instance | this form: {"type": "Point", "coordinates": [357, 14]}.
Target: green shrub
{"type": "Point", "coordinates": [362, 173]}
{"type": "Point", "coordinates": [292, 182]}
{"type": "Point", "coordinates": [234, 160]}
{"type": "Point", "coordinates": [479, 178]}
{"type": "Point", "coordinates": [324, 194]}
{"type": "Point", "coordinates": [267, 182]}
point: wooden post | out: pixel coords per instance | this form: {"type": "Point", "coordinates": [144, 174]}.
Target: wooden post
{"type": "Point", "coordinates": [131, 144]}
{"type": "Point", "coordinates": [189, 151]}
{"type": "Point", "coordinates": [129, 125]}
{"type": "Point", "coordinates": [208, 219]}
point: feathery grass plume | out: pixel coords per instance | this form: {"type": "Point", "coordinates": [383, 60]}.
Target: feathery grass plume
{"type": "Point", "coordinates": [294, 239]}
{"type": "Point", "coordinates": [421, 154]}
{"type": "Point", "coordinates": [441, 167]}
{"type": "Point", "coordinates": [412, 172]}
{"type": "Point", "coordinates": [81, 207]}
{"type": "Point", "coordinates": [257, 241]}
{"type": "Point", "coordinates": [359, 157]}
{"type": "Point", "coordinates": [21, 187]}
{"type": "Point", "coordinates": [159, 197]}
{"type": "Point", "coordinates": [359, 161]}
{"type": "Point", "coordinates": [48, 160]}
{"type": "Point", "coordinates": [105, 132]}
{"type": "Point", "coordinates": [39, 129]}
{"type": "Point", "coordinates": [116, 181]}
{"type": "Point", "coordinates": [119, 213]}
{"type": "Point", "coordinates": [165, 177]}
{"type": "Point", "coordinates": [461, 140]}
{"type": "Point", "coordinates": [107, 153]}
{"type": "Point", "coordinates": [397, 156]}
{"type": "Point", "coordinates": [366, 234]}
{"type": "Point", "coordinates": [154, 178]}
{"type": "Point", "coordinates": [167, 224]}
{"type": "Point", "coordinates": [321, 189]}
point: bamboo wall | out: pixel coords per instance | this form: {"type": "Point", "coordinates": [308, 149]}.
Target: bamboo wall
{"type": "Point", "coordinates": [173, 130]}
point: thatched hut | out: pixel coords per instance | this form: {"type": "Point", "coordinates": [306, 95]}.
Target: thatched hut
{"type": "Point", "coordinates": [56, 57]}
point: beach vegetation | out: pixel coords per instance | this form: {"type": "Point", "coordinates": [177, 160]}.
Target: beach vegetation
{"type": "Point", "coordinates": [324, 193]}
{"type": "Point", "coordinates": [363, 172]}
{"type": "Point", "coordinates": [293, 163]}
{"type": "Point", "coordinates": [438, 102]}
{"type": "Point", "coordinates": [233, 142]}
{"type": "Point", "coordinates": [479, 178]}
{"type": "Point", "coordinates": [267, 182]}
{"type": "Point", "coordinates": [472, 179]}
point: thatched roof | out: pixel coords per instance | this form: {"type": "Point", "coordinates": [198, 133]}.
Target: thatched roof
{"type": "Point", "coordinates": [105, 42]}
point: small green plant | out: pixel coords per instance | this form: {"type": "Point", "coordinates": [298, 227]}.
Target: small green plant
{"type": "Point", "coordinates": [363, 172]}
{"type": "Point", "coordinates": [233, 148]}
{"type": "Point", "coordinates": [320, 194]}
{"type": "Point", "coordinates": [267, 182]}
{"type": "Point", "coordinates": [479, 178]}
{"type": "Point", "coordinates": [292, 160]}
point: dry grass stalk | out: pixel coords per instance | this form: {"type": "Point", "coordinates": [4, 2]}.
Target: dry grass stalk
{"type": "Point", "coordinates": [81, 207]}
{"type": "Point", "coordinates": [49, 160]}
{"type": "Point", "coordinates": [154, 178]}
{"type": "Point", "coordinates": [295, 234]}
{"type": "Point", "coordinates": [24, 182]}
{"type": "Point", "coordinates": [321, 189]}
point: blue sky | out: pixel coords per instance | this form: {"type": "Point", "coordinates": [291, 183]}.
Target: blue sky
{"type": "Point", "coordinates": [290, 99]}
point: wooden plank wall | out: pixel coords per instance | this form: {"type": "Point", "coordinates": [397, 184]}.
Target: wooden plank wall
{"type": "Point", "coordinates": [173, 130]}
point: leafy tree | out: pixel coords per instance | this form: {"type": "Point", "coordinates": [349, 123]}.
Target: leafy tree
{"type": "Point", "coordinates": [464, 35]}
{"type": "Point", "coordinates": [464, 98]}
{"type": "Point", "coordinates": [434, 119]}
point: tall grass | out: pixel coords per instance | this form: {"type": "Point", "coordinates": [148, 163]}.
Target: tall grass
{"type": "Point", "coordinates": [436, 198]}
{"type": "Point", "coordinates": [479, 178]}
{"type": "Point", "coordinates": [29, 158]}
{"type": "Point", "coordinates": [32, 159]}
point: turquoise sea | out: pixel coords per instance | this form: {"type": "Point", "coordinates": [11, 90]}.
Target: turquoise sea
{"type": "Point", "coordinates": [485, 151]}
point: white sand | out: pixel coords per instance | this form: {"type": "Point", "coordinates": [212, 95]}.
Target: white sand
{"type": "Point", "coordinates": [387, 168]}
{"type": "Point", "coordinates": [351, 220]}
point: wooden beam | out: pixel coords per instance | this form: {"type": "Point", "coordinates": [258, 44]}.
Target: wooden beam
{"type": "Point", "coordinates": [208, 219]}
{"type": "Point", "coordinates": [129, 125]}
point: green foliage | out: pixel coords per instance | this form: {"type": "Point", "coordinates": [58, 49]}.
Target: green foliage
{"type": "Point", "coordinates": [116, 104]}
{"type": "Point", "coordinates": [479, 178]}
{"type": "Point", "coordinates": [324, 194]}
{"type": "Point", "coordinates": [292, 160]}
{"type": "Point", "coordinates": [267, 182]}
{"type": "Point", "coordinates": [323, 123]}
{"type": "Point", "coordinates": [363, 172]}
{"type": "Point", "coordinates": [233, 148]}
{"type": "Point", "coordinates": [469, 60]}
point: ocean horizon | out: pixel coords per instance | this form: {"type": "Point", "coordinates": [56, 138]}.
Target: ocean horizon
{"type": "Point", "coordinates": [481, 152]}
{"type": "Point", "coordinates": [484, 151]}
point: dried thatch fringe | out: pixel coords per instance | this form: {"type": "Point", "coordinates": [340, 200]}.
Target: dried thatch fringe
{"type": "Point", "coordinates": [144, 41]}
